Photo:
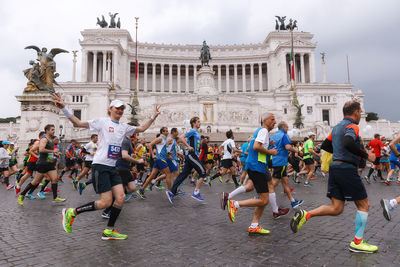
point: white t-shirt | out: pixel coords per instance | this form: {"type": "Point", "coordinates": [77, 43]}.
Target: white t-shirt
{"type": "Point", "coordinates": [111, 135]}
{"type": "Point", "coordinates": [263, 138]}
{"type": "Point", "coordinates": [91, 148]}
{"type": "Point", "coordinates": [228, 145]}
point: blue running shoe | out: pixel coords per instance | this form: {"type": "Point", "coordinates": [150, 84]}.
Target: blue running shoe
{"type": "Point", "coordinates": [170, 196]}
{"type": "Point", "coordinates": [296, 203]}
{"type": "Point", "coordinates": [41, 195]}
{"type": "Point", "coordinates": [81, 187]}
{"type": "Point", "coordinates": [127, 197]}
{"type": "Point", "coordinates": [30, 196]}
{"type": "Point", "coordinates": [180, 192]}
{"type": "Point", "coordinates": [308, 184]}
{"type": "Point", "coordinates": [197, 197]}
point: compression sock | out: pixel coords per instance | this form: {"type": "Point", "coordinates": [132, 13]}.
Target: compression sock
{"type": "Point", "coordinates": [272, 200]}
{"type": "Point", "coordinates": [380, 174]}
{"type": "Point", "coordinates": [45, 183]}
{"type": "Point", "coordinates": [234, 178]}
{"type": "Point", "coordinates": [215, 176]}
{"type": "Point", "coordinates": [361, 222]}
{"type": "Point", "coordinates": [91, 206]}
{"type": "Point", "coordinates": [27, 188]}
{"type": "Point", "coordinates": [62, 173]}
{"type": "Point", "coordinates": [237, 191]}
{"type": "Point", "coordinates": [33, 189]}
{"type": "Point", "coordinates": [115, 211]}
{"type": "Point", "coordinates": [54, 188]}
{"type": "Point", "coordinates": [7, 181]}
{"type": "Point", "coordinates": [371, 170]}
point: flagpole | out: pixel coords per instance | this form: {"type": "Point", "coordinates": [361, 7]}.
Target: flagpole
{"type": "Point", "coordinates": [135, 99]}
{"type": "Point", "coordinates": [292, 58]}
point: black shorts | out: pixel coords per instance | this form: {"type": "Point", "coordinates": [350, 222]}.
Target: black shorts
{"type": "Point", "coordinates": [377, 161]}
{"type": "Point", "coordinates": [31, 166]}
{"type": "Point", "coordinates": [69, 163]}
{"type": "Point", "coordinates": [140, 167]}
{"type": "Point", "coordinates": [79, 161]}
{"type": "Point", "coordinates": [279, 172]}
{"type": "Point", "coordinates": [88, 164]}
{"type": "Point", "coordinates": [227, 163]}
{"type": "Point", "coordinates": [44, 168]}
{"type": "Point", "coordinates": [104, 178]}
{"type": "Point", "coordinates": [363, 163]}
{"type": "Point", "coordinates": [126, 176]}
{"type": "Point", "coordinates": [308, 161]}
{"type": "Point", "coordinates": [3, 169]}
{"type": "Point", "coordinates": [345, 184]}
{"type": "Point", "coordinates": [260, 180]}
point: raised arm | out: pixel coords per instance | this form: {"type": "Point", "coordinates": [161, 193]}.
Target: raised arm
{"type": "Point", "coordinates": [61, 105]}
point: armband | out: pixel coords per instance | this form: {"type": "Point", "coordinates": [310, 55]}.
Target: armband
{"type": "Point", "coordinates": [67, 112]}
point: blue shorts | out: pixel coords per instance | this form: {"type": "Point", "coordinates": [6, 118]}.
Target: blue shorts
{"type": "Point", "coordinates": [393, 164]}
{"type": "Point", "coordinates": [160, 164]}
{"type": "Point", "coordinates": [172, 165]}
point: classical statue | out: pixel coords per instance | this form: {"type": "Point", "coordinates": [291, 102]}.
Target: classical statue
{"type": "Point", "coordinates": [205, 55]}
{"type": "Point", "coordinates": [323, 130]}
{"type": "Point", "coordinates": [102, 23]}
{"type": "Point", "coordinates": [282, 21]}
{"type": "Point", "coordinates": [42, 75]}
{"type": "Point", "coordinates": [292, 25]}
{"type": "Point", "coordinates": [119, 23]}
{"type": "Point", "coordinates": [112, 21]}
{"type": "Point", "coordinates": [323, 57]}
{"type": "Point", "coordinates": [298, 122]}
{"type": "Point", "coordinates": [276, 25]}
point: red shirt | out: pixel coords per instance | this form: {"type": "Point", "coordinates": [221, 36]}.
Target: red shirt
{"type": "Point", "coordinates": [376, 146]}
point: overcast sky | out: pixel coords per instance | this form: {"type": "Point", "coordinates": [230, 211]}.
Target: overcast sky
{"type": "Point", "coordinates": [366, 30]}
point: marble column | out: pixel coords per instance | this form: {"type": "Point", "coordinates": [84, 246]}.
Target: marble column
{"type": "Point", "coordinates": [252, 77]}
{"type": "Point", "coordinates": [285, 76]}
{"type": "Point", "coordinates": [227, 78]}
{"type": "Point", "coordinates": [145, 77]}
{"type": "Point", "coordinates": [153, 77]}
{"type": "Point", "coordinates": [260, 77]}
{"type": "Point", "coordinates": [244, 77]}
{"type": "Point", "coordinates": [105, 66]}
{"type": "Point", "coordinates": [312, 67]}
{"type": "Point", "coordinates": [178, 82]}
{"type": "Point", "coordinates": [302, 73]}
{"type": "Point", "coordinates": [109, 67]}
{"type": "Point", "coordinates": [235, 77]}
{"type": "Point", "coordinates": [84, 66]}
{"type": "Point", "coordinates": [162, 78]}
{"type": "Point", "coordinates": [170, 77]}
{"type": "Point", "coordinates": [187, 78]}
{"type": "Point", "coordinates": [219, 79]}
{"type": "Point", "coordinates": [114, 66]}
{"type": "Point", "coordinates": [194, 77]}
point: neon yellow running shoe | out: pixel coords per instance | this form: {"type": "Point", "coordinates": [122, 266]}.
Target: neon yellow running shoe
{"type": "Point", "coordinates": [59, 199]}
{"type": "Point", "coordinates": [220, 179]}
{"type": "Point", "coordinates": [363, 247]}
{"type": "Point", "coordinates": [258, 231]}
{"type": "Point", "coordinates": [109, 234]}
{"type": "Point", "coordinates": [68, 217]}
{"type": "Point", "coordinates": [298, 220]}
{"type": "Point", "coordinates": [21, 200]}
{"type": "Point", "coordinates": [232, 210]}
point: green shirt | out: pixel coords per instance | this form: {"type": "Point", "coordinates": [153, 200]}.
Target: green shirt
{"type": "Point", "coordinates": [308, 145]}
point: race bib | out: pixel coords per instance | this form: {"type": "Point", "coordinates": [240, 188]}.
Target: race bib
{"type": "Point", "coordinates": [113, 152]}
{"type": "Point", "coordinates": [50, 157]}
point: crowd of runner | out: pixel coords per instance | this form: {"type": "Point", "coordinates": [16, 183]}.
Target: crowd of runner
{"type": "Point", "coordinates": [121, 166]}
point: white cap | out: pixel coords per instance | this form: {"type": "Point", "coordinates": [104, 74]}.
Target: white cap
{"type": "Point", "coordinates": [116, 103]}
{"type": "Point", "coordinates": [311, 134]}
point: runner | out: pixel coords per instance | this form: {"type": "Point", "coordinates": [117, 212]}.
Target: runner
{"type": "Point", "coordinates": [344, 180]}
{"type": "Point", "coordinates": [46, 164]}
{"type": "Point", "coordinates": [308, 153]}
{"type": "Point", "coordinates": [256, 165]}
{"type": "Point", "coordinates": [70, 160]}
{"type": "Point", "coordinates": [243, 156]}
{"type": "Point", "coordinates": [191, 161]}
{"type": "Point", "coordinates": [376, 145]}
{"type": "Point", "coordinates": [279, 164]}
{"type": "Point", "coordinates": [172, 149]}
{"type": "Point", "coordinates": [4, 163]}
{"type": "Point", "coordinates": [89, 150]}
{"type": "Point", "coordinates": [394, 164]}
{"type": "Point", "coordinates": [106, 181]}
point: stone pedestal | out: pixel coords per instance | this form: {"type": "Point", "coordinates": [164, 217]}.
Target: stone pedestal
{"type": "Point", "coordinates": [205, 82]}
{"type": "Point", "coordinates": [37, 110]}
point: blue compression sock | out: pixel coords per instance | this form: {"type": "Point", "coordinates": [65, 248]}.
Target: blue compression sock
{"type": "Point", "coordinates": [361, 222]}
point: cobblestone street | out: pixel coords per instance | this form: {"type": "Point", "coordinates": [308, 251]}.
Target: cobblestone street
{"type": "Point", "coordinates": [190, 233]}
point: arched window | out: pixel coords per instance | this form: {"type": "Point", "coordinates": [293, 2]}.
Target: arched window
{"type": "Point", "coordinates": [208, 129]}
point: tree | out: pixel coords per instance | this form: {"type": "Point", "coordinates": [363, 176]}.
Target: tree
{"type": "Point", "coordinates": [8, 119]}
{"type": "Point", "coordinates": [372, 116]}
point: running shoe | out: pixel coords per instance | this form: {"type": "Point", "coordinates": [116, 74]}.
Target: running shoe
{"type": "Point", "coordinates": [180, 192]}
{"type": "Point", "coordinates": [160, 187]}
{"type": "Point", "coordinates": [70, 176]}
{"type": "Point", "coordinates": [109, 234]}
{"type": "Point", "coordinates": [149, 188]}
{"type": "Point", "coordinates": [68, 217]}
{"type": "Point", "coordinates": [170, 196]}
{"type": "Point", "coordinates": [308, 184]}
{"type": "Point", "coordinates": [210, 182]}
{"type": "Point", "coordinates": [17, 190]}
{"type": "Point", "coordinates": [367, 179]}
{"type": "Point", "coordinates": [197, 197]}
{"type": "Point", "coordinates": [81, 187]}
{"type": "Point", "coordinates": [10, 186]}
{"type": "Point", "coordinates": [59, 200]}
{"type": "Point", "coordinates": [140, 193]}
{"type": "Point", "coordinates": [41, 195]}
{"type": "Point", "coordinates": [232, 210]}
{"type": "Point", "coordinates": [388, 183]}
{"type": "Point", "coordinates": [280, 213]}
{"type": "Point", "coordinates": [363, 247]}
{"type": "Point", "coordinates": [229, 182]}
{"type": "Point", "coordinates": [375, 177]}
{"type": "Point", "coordinates": [224, 200]}
{"type": "Point", "coordinates": [75, 184]}
{"type": "Point", "coordinates": [296, 203]}
{"type": "Point", "coordinates": [49, 189]}
{"type": "Point", "coordinates": [220, 179]}
{"type": "Point", "coordinates": [106, 214]}
{"type": "Point", "coordinates": [21, 200]}
{"type": "Point", "coordinates": [257, 231]}
{"type": "Point", "coordinates": [30, 196]}
{"type": "Point", "coordinates": [127, 197]}
{"type": "Point", "coordinates": [387, 208]}
{"type": "Point", "coordinates": [298, 220]}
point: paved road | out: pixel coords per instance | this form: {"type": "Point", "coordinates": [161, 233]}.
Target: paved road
{"type": "Point", "coordinates": [192, 233]}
